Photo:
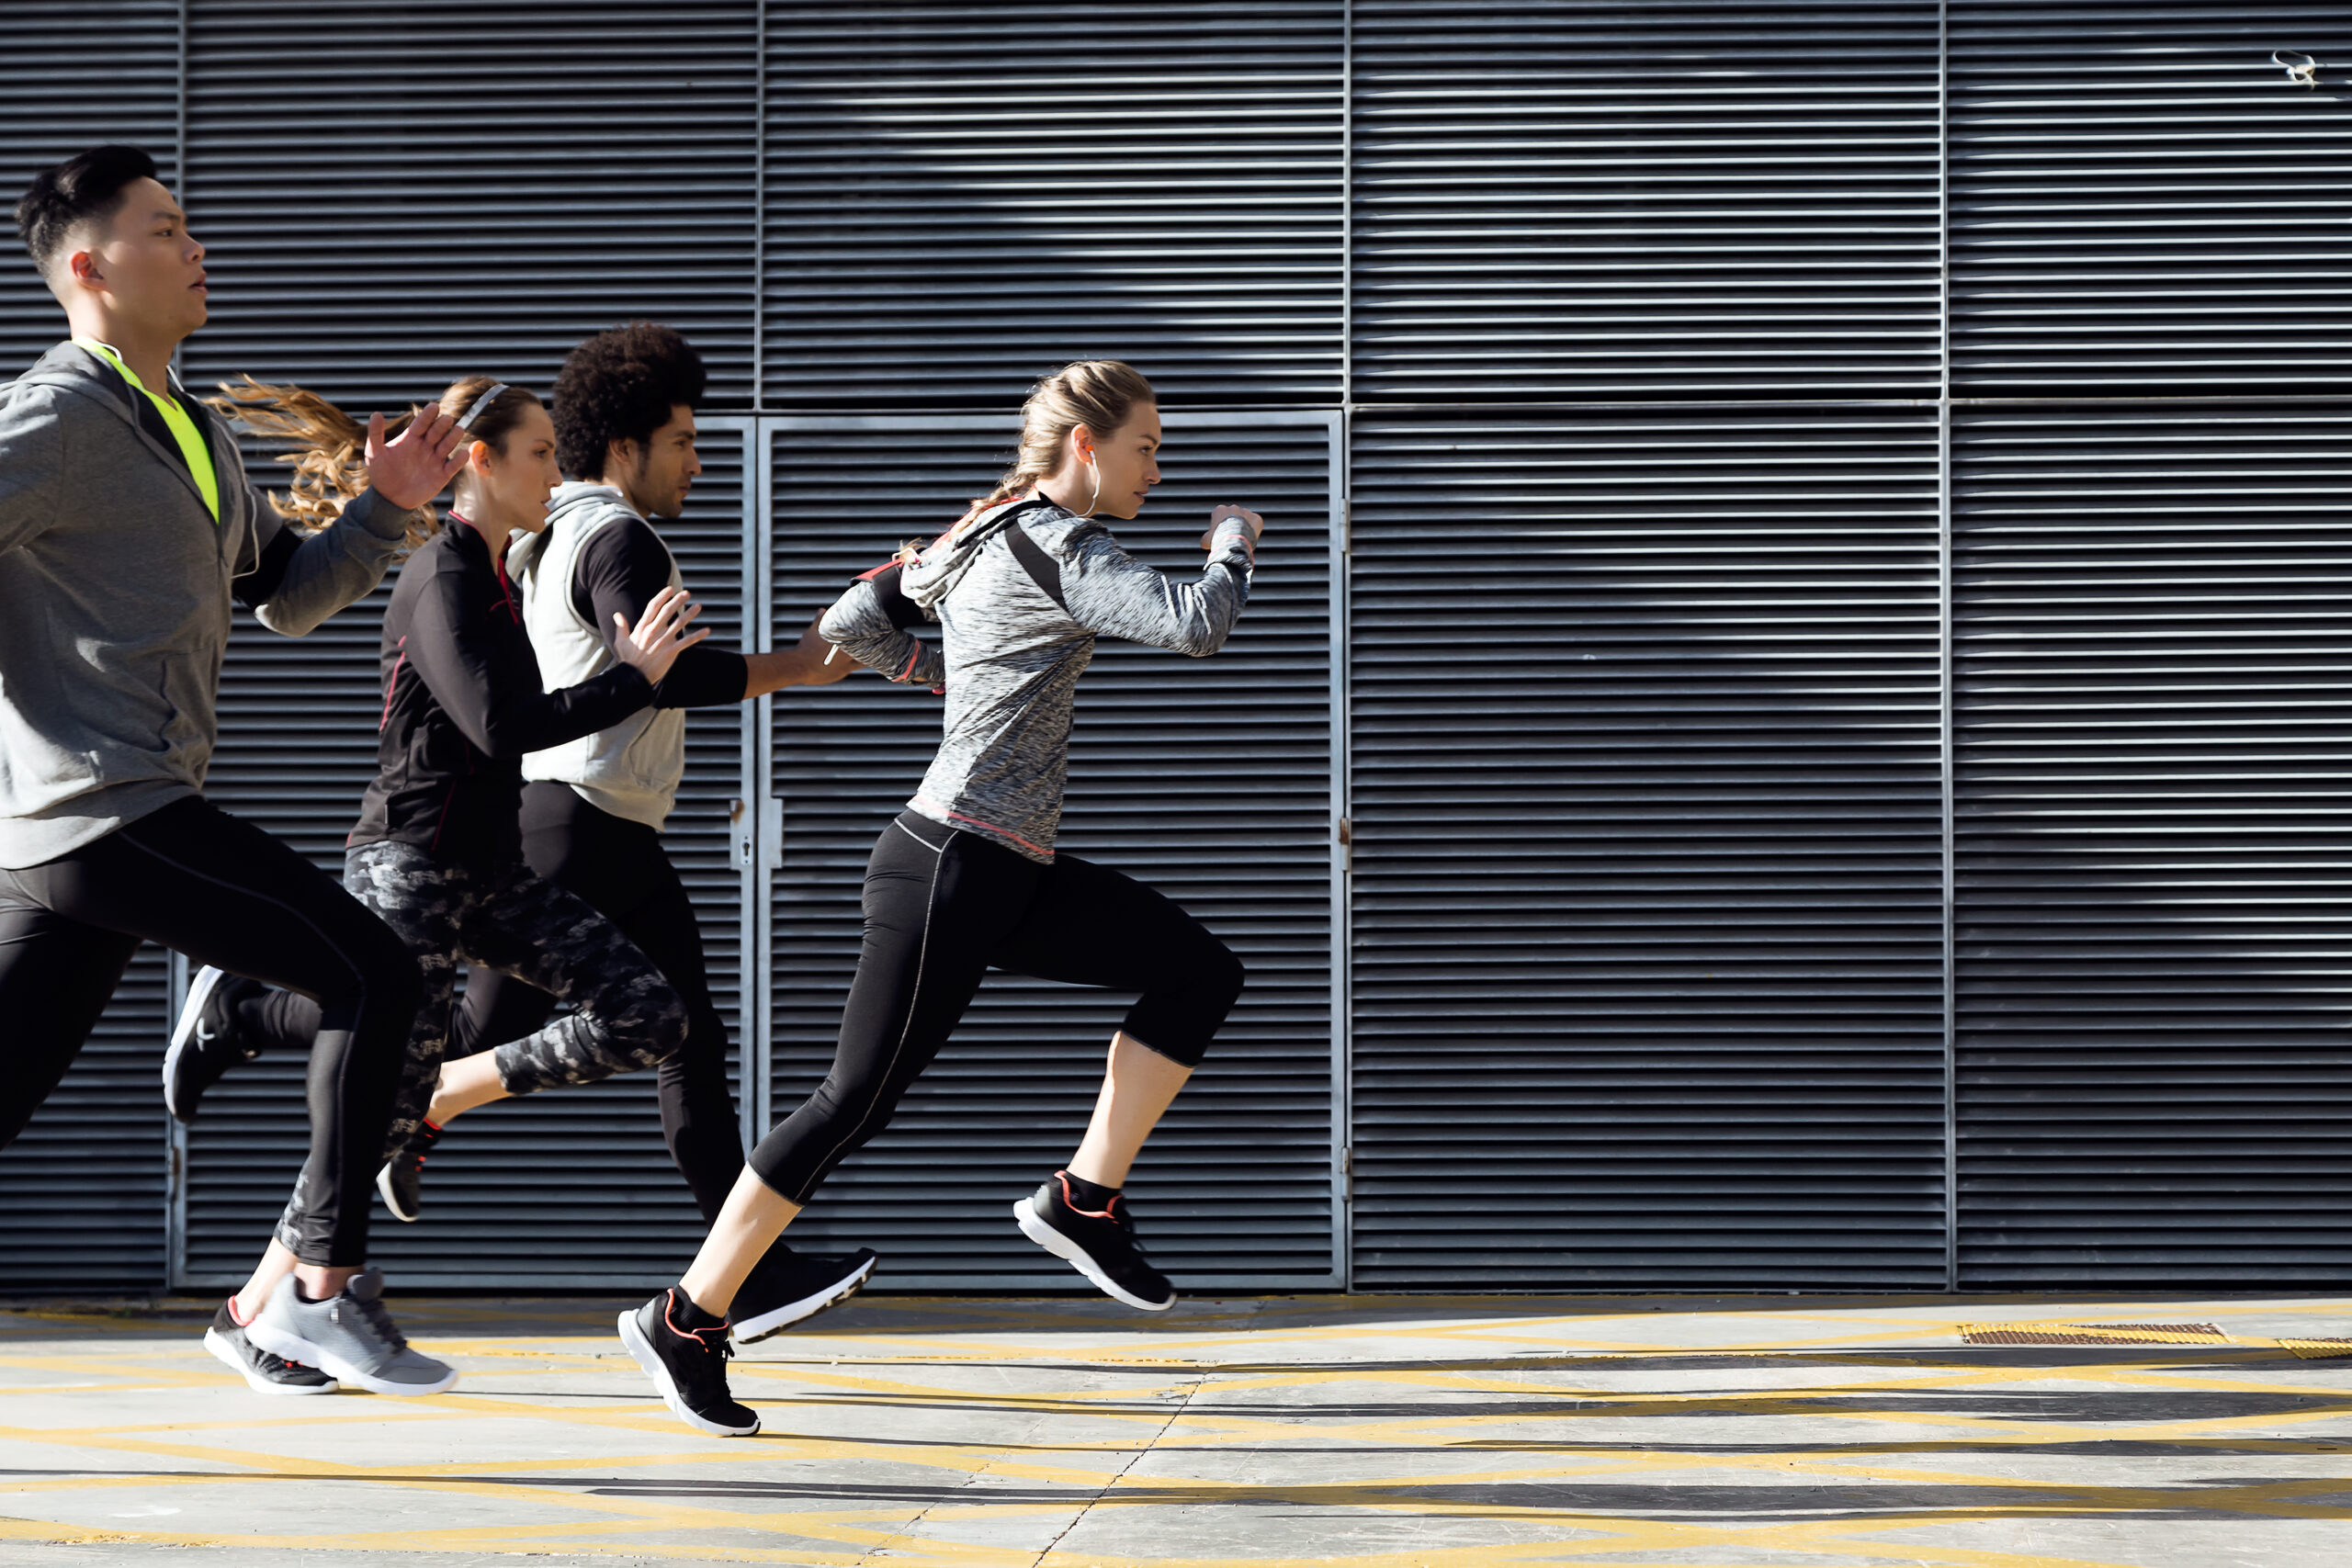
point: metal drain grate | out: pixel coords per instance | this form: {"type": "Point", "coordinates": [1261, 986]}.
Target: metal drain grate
{"type": "Point", "coordinates": [2093, 1334]}
{"type": "Point", "coordinates": [2317, 1349]}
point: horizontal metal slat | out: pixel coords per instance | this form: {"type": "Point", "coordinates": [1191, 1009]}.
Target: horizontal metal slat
{"type": "Point", "coordinates": [386, 214]}
{"type": "Point", "coordinates": [2152, 848]}
{"type": "Point", "coordinates": [1563, 201]}
{"type": "Point", "coordinates": [2142, 201]}
{"type": "Point", "coordinates": [949, 217]}
{"type": "Point", "coordinates": [1647, 901]}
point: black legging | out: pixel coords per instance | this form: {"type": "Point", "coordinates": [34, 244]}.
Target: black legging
{"type": "Point", "coordinates": [193, 878]}
{"type": "Point", "coordinates": [944, 907]}
{"type": "Point", "coordinates": [618, 868]}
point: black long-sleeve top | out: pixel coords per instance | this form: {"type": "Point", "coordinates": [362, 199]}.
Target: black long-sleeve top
{"type": "Point", "coordinates": [462, 704]}
{"type": "Point", "coordinates": [624, 567]}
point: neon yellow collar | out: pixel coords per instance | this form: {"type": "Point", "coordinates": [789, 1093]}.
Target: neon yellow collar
{"type": "Point", "coordinates": [175, 418]}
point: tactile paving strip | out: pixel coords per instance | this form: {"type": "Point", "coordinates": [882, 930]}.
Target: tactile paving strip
{"type": "Point", "coordinates": [2092, 1334]}
{"type": "Point", "coordinates": [2317, 1349]}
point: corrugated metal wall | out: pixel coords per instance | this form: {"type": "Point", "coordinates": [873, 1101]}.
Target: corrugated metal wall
{"type": "Point", "coordinates": [1824, 727]}
{"type": "Point", "coordinates": [1647, 859]}
{"type": "Point", "coordinates": [2149, 641]}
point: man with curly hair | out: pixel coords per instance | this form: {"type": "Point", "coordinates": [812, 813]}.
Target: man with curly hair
{"type": "Point", "coordinates": [592, 812]}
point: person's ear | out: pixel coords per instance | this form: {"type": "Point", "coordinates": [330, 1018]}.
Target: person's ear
{"type": "Point", "coordinates": [1082, 441]}
{"type": "Point", "coordinates": [478, 456]}
{"type": "Point", "coordinates": [82, 267]}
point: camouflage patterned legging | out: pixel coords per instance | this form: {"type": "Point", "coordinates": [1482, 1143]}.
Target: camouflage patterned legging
{"type": "Point", "coordinates": [513, 922]}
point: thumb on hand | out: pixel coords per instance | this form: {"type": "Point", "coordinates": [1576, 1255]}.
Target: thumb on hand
{"type": "Point", "coordinates": [374, 436]}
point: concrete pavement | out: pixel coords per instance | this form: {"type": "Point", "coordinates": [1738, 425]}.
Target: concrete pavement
{"type": "Point", "coordinates": [1787, 1431]}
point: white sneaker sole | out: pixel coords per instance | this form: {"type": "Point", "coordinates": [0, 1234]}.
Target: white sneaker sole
{"type": "Point", "coordinates": [229, 1358]}
{"type": "Point", "coordinates": [200, 991]}
{"type": "Point", "coordinates": [1061, 1247]}
{"type": "Point", "coordinates": [777, 1319]}
{"type": "Point", "coordinates": [294, 1348]}
{"type": "Point", "coordinates": [650, 1364]}
{"type": "Point", "coordinates": [385, 1191]}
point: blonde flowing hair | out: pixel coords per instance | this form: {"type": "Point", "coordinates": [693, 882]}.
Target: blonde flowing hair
{"type": "Point", "coordinates": [1100, 394]}
{"type": "Point", "coordinates": [329, 448]}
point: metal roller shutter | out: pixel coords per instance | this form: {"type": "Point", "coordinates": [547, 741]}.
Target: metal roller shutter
{"type": "Point", "coordinates": [2153, 842]}
{"type": "Point", "coordinates": [1211, 781]}
{"type": "Point", "coordinates": [1647, 880]}
{"type": "Point", "coordinates": [392, 192]}
{"type": "Point", "coordinates": [83, 1189]}
{"type": "Point", "coordinates": [960, 197]}
{"type": "Point", "coordinates": [1560, 200]}
{"type": "Point", "coordinates": [572, 1187]}
{"type": "Point", "coordinates": [2143, 202]}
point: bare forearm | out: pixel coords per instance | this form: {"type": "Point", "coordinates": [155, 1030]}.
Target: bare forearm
{"type": "Point", "coordinates": [786, 666]}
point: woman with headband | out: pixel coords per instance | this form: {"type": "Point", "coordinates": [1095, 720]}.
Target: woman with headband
{"type": "Point", "coordinates": [438, 853]}
{"type": "Point", "coordinates": [967, 878]}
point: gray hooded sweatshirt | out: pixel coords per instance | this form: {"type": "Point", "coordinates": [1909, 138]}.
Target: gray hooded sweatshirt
{"type": "Point", "coordinates": [114, 587]}
{"type": "Point", "coordinates": [1016, 637]}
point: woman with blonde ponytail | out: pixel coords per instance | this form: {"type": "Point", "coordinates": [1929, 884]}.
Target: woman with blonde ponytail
{"type": "Point", "coordinates": [967, 878]}
{"type": "Point", "coordinates": [437, 853]}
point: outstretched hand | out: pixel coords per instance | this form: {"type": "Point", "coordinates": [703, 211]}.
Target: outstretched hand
{"type": "Point", "coordinates": [652, 645]}
{"type": "Point", "coordinates": [413, 469]}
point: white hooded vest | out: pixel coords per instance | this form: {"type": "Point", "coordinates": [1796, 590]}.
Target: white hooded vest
{"type": "Point", "coordinates": [633, 768]}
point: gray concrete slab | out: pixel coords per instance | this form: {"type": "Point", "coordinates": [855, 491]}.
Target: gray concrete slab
{"type": "Point", "coordinates": [1402, 1432]}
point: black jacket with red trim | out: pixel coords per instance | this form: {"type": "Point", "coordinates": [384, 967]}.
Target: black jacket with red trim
{"type": "Point", "coordinates": [463, 702]}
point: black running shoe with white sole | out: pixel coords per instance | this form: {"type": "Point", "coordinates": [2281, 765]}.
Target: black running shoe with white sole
{"type": "Point", "coordinates": [205, 1042]}
{"type": "Point", "coordinates": [401, 1181]}
{"type": "Point", "coordinates": [1100, 1244]}
{"type": "Point", "coordinates": [265, 1372]}
{"type": "Point", "coordinates": [787, 1287]}
{"type": "Point", "coordinates": [683, 1350]}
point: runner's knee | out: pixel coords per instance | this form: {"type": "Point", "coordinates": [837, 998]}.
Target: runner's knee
{"type": "Point", "coordinates": [648, 1026]}
{"type": "Point", "coordinates": [1182, 1011]}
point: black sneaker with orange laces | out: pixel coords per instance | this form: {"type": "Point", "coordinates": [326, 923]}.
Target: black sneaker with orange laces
{"type": "Point", "coordinates": [683, 1350]}
{"type": "Point", "coordinates": [401, 1181]}
{"type": "Point", "coordinates": [1100, 1243]}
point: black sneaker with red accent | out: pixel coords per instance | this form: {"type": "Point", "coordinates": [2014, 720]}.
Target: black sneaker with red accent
{"type": "Point", "coordinates": [683, 1350]}
{"type": "Point", "coordinates": [1100, 1244]}
{"type": "Point", "coordinates": [401, 1181]}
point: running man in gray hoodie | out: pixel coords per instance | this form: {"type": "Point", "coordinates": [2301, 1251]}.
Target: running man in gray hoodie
{"type": "Point", "coordinates": [127, 526]}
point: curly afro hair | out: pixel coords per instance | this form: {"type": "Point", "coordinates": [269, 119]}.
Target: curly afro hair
{"type": "Point", "coordinates": [620, 386]}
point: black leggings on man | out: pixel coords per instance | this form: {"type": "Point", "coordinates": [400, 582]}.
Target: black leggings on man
{"type": "Point", "coordinates": [942, 908]}
{"type": "Point", "coordinates": [193, 878]}
{"type": "Point", "coordinates": [619, 868]}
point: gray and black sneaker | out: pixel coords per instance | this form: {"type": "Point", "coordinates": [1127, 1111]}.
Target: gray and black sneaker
{"type": "Point", "coordinates": [1100, 1244]}
{"type": "Point", "coordinates": [401, 1181]}
{"type": "Point", "coordinates": [265, 1372]}
{"type": "Point", "coordinates": [205, 1042]}
{"type": "Point", "coordinates": [787, 1287]}
{"type": "Point", "coordinates": [683, 1350]}
{"type": "Point", "coordinates": [351, 1337]}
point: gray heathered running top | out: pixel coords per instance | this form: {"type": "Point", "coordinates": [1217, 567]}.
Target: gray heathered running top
{"type": "Point", "coordinates": [1013, 655]}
